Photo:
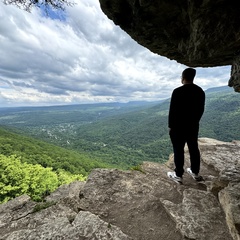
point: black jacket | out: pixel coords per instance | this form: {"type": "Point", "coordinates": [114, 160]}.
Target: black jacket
{"type": "Point", "coordinates": [186, 107]}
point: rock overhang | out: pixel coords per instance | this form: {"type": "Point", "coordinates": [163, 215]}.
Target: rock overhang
{"type": "Point", "coordinates": [196, 33]}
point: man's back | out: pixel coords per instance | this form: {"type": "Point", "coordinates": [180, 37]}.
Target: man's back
{"type": "Point", "coordinates": [186, 107]}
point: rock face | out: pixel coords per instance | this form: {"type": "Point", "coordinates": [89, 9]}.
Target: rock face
{"type": "Point", "coordinates": [196, 33]}
{"type": "Point", "coordinates": [139, 205]}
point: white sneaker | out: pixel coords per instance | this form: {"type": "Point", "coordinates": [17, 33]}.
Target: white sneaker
{"type": "Point", "coordinates": [174, 177]}
{"type": "Point", "coordinates": [194, 176]}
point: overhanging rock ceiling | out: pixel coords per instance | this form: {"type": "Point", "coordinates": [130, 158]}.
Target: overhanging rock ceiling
{"type": "Point", "coordinates": [196, 33]}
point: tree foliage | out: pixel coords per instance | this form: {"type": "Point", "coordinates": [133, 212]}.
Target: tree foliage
{"type": "Point", "coordinates": [18, 178]}
{"type": "Point", "coordinates": [28, 4]}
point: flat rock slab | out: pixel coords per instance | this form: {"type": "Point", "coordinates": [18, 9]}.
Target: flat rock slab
{"type": "Point", "coordinates": [199, 216]}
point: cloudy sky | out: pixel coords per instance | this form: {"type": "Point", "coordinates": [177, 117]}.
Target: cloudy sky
{"type": "Point", "coordinates": [83, 58]}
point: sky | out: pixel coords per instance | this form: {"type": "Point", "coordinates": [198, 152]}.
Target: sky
{"type": "Point", "coordinates": [82, 58]}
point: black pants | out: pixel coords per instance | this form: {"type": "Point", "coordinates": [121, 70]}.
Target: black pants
{"type": "Point", "coordinates": [179, 138]}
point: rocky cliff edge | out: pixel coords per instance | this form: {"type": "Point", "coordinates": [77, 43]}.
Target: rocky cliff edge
{"type": "Point", "coordinates": [140, 205]}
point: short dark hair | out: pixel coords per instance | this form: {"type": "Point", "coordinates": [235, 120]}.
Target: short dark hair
{"type": "Point", "coordinates": [189, 74]}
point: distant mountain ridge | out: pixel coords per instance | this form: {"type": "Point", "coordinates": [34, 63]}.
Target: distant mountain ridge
{"type": "Point", "coordinates": [219, 89]}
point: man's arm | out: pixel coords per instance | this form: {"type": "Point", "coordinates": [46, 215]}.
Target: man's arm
{"type": "Point", "coordinates": [171, 110]}
{"type": "Point", "coordinates": [202, 105]}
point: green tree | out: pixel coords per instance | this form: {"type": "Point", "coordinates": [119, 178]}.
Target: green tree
{"type": "Point", "coordinates": [66, 177]}
{"type": "Point", "coordinates": [17, 178]}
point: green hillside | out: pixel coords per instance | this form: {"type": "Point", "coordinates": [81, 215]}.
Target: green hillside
{"type": "Point", "coordinates": [222, 115]}
{"type": "Point", "coordinates": [143, 135]}
{"type": "Point", "coordinates": [122, 135]}
{"type": "Point", "coordinates": [47, 155]}
{"type": "Point", "coordinates": [127, 138]}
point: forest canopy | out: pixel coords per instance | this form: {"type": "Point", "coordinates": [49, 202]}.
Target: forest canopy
{"type": "Point", "coordinates": [18, 178]}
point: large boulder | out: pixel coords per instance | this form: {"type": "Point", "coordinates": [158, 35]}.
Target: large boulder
{"type": "Point", "coordinates": [196, 33]}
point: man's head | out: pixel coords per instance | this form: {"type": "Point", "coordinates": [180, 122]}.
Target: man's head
{"type": "Point", "coordinates": [188, 75]}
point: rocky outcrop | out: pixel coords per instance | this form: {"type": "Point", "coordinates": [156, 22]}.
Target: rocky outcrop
{"type": "Point", "coordinates": [196, 33]}
{"type": "Point", "coordinates": [139, 205]}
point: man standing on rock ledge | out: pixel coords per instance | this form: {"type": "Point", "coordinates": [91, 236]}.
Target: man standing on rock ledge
{"type": "Point", "coordinates": [186, 109]}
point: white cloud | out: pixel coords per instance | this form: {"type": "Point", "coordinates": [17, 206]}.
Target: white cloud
{"type": "Point", "coordinates": [85, 58]}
